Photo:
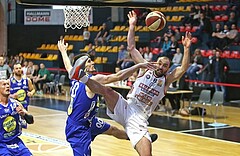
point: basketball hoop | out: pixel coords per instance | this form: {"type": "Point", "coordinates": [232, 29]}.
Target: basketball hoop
{"type": "Point", "coordinates": [76, 17]}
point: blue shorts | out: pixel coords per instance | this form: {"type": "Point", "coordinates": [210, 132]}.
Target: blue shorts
{"type": "Point", "coordinates": [79, 137]}
{"type": "Point", "coordinates": [98, 127]}
{"type": "Point", "coordinates": [14, 148]}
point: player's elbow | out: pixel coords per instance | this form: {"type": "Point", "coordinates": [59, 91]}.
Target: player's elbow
{"type": "Point", "coordinates": [131, 47]}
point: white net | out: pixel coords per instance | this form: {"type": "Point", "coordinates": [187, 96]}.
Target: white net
{"type": "Point", "coordinates": [76, 16]}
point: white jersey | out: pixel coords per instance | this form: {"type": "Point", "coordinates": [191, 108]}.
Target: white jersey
{"type": "Point", "coordinates": [148, 90]}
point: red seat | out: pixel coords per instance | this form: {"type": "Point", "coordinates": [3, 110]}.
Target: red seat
{"type": "Point", "coordinates": [182, 29]}
{"type": "Point", "coordinates": [188, 28]}
{"type": "Point", "coordinates": [235, 54]}
{"type": "Point", "coordinates": [226, 54]}
{"type": "Point", "coordinates": [224, 18]}
{"type": "Point", "coordinates": [212, 7]}
{"type": "Point", "coordinates": [174, 27]}
{"type": "Point", "coordinates": [155, 50]}
{"type": "Point", "coordinates": [218, 8]}
{"type": "Point", "coordinates": [217, 18]}
{"type": "Point", "coordinates": [209, 53]}
{"type": "Point", "coordinates": [194, 40]}
{"type": "Point", "coordinates": [203, 53]}
{"type": "Point", "coordinates": [194, 28]}
{"type": "Point", "coordinates": [224, 7]}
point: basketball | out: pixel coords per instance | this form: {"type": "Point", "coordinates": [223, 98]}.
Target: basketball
{"type": "Point", "coordinates": [155, 21]}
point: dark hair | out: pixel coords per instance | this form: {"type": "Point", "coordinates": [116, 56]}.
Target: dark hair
{"type": "Point", "coordinates": [16, 64]}
{"type": "Point", "coordinates": [78, 56]}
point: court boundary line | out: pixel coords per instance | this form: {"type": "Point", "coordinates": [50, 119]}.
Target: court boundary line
{"type": "Point", "coordinates": [48, 115]}
{"type": "Point", "coordinates": [177, 132]}
{"type": "Point", "coordinates": [47, 108]}
{"type": "Point", "coordinates": [47, 139]}
{"type": "Point", "coordinates": [205, 129]}
{"type": "Point", "coordinates": [160, 129]}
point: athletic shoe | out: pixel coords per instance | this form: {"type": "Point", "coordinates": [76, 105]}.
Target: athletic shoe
{"type": "Point", "coordinates": [154, 137]}
{"type": "Point", "coordinates": [77, 69]}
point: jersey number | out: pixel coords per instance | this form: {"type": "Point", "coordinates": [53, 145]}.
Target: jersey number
{"type": "Point", "coordinates": [74, 89]}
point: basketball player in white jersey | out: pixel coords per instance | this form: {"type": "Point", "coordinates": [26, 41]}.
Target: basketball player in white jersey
{"type": "Point", "coordinates": [149, 88]}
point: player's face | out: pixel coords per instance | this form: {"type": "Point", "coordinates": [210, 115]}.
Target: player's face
{"type": "Point", "coordinates": [4, 87]}
{"type": "Point", "coordinates": [89, 66]}
{"type": "Point", "coordinates": [17, 70]}
{"type": "Point", "coordinates": [162, 66]}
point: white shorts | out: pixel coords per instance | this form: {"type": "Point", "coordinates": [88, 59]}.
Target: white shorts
{"type": "Point", "coordinates": [127, 114]}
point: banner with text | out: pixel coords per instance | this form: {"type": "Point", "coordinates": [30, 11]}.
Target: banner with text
{"type": "Point", "coordinates": [43, 17]}
{"type": "Point", "coordinates": [46, 17]}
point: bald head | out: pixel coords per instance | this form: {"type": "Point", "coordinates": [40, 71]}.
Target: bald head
{"type": "Point", "coordinates": [4, 87]}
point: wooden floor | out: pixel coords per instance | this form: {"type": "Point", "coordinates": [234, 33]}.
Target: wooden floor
{"type": "Point", "coordinates": [47, 138]}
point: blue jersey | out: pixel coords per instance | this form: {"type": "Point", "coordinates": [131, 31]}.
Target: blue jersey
{"type": "Point", "coordinates": [81, 107]}
{"type": "Point", "coordinates": [9, 120]}
{"type": "Point", "coordinates": [81, 112]}
{"type": "Point", "coordinates": [21, 88]}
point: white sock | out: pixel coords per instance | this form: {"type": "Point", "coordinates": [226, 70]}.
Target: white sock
{"type": "Point", "coordinates": [84, 79]}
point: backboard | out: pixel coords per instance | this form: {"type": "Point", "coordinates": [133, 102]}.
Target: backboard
{"type": "Point", "coordinates": [120, 3]}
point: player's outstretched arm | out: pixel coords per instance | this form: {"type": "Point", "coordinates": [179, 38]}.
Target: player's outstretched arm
{"type": "Point", "coordinates": [123, 74]}
{"type": "Point", "coordinates": [179, 71]}
{"type": "Point", "coordinates": [63, 49]}
{"type": "Point", "coordinates": [135, 54]}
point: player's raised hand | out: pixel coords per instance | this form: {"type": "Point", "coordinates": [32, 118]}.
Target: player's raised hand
{"type": "Point", "coordinates": [62, 46]}
{"type": "Point", "coordinates": [132, 16]}
{"type": "Point", "coordinates": [186, 41]}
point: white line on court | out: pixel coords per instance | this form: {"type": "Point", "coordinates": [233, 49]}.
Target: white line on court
{"type": "Point", "coordinates": [39, 107]}
{"type": "Point", "coordinates": [204, 129]}
{"type": "Point", "coordinates": [46, 138]}
{"type": "Point", "coordinates": [47, 115]}
{"type": "Point", "coordinates": [187, 134]}
{"type": "Point", "coordinates": [198, 136]}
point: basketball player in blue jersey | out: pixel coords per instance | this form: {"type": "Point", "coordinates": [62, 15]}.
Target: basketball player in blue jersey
{"type": "Point", "coordinates": [82, 124]}
{"type": "Point", "coordinates": [148, 89]}
{"type": "Point", "coordinates": [21, 88]}
{"type": "Point", "coordinates": [10, 129]}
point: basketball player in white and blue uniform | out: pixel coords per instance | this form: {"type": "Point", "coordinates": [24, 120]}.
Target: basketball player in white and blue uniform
{"type": "Point", "coordinates": [21, 88]}
{"type": "Point", "coordinates": [147, 91]}
{"type": "Point", "coordinates": [11, 111]}
{"type": "Point", "coordinates": [82, 125]}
